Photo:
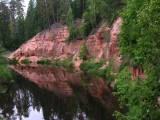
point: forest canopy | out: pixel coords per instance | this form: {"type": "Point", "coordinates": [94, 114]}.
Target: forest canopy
{"type": "Point", "coordinates": [16, 26]}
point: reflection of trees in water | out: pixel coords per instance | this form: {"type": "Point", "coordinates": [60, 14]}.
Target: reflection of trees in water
{"type": "Point", "coordinates": [24, 94]}
{"type": "Point", "coordinates": [6, 104]}
{"type": "Point", "coordinates": [22, 101]}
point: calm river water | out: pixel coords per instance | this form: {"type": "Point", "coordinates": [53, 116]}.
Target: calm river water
{"type": "Point", "coordinates": [56, 94]}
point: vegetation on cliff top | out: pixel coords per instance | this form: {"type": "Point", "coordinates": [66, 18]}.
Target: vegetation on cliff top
{"type": "Point", "coordinates": [16, 27]}
{"type": "Point", "coordinates": [95, 11]}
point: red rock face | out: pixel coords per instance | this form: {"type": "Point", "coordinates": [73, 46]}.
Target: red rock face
{"type": "Point", "coordinates": [113, 47]}
{"type": "Point", "coordinates": [51, 43]}
{"type": "Point", "coordinates": [137, 71]}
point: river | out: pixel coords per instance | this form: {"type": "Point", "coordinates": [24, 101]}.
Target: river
{"type": "Point", "coordinates": [40, 93]}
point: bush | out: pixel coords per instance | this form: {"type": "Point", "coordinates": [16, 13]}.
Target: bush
{"type": "Point", "coordinates": [138, 96]}
{"type": "Point", "coordinates": [2, 60]}
{"type": "Point", "coordinates": [67, 63]}
{"type": "Point", "coordinates": [13, 61]}
{"type": "Point", "coordinates": [44, 62]}
{"type": "Point", "coordinates": [5, 74]}
{"type": "Point", "coordinates": [25, 61]}
{"type": "Point", "coordinates": [92, 68]}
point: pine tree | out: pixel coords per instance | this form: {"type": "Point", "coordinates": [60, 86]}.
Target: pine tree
{"type": "Point", "coordinates": [4, 25]}
{"type": "Point", "coordinates": [69, 18]}
{"type": "Point", "coordinates": [29, 22]}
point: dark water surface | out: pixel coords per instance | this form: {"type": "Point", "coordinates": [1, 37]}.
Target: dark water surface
{"type": "Point", "coordinates": [56, 94]}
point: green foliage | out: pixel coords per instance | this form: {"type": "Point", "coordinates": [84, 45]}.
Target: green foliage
{"type": "Point", "coordinates": [67, 63]}
{"type": "Point", "coordinates": [5, 74]}
{"type": "Point", "coordinates": [93, 69]}
{"type": "Point", "coordinates": [44, 62]}
{"type": "Point", "coordinates": [72, 34]}
{"type": "Point", "coordinates": [4, 26]}
{"type": "Point", "coordinates": [2, 49]}
{"type": "Point", "coordinates": [139, 44]}
{"type": "Point", "coordinates": [83, 50]}
{"type": "Point", "coordinates": [13, 61]}
{"type": "Point", "coordinates": [20, 33]}
{"type": "Point", "coordinates": [2, 60]}
{"type": "Point", "coordinates": [25, 61]}
{"type": "Point", "coordinates": [113, 9]}
{"type": "Point", "coordinates": [76, 32]}
{"type": "Point", "coordinates": [69, 21]}
{"type": "Point", "coordinates": [69, 18]}
{"type": "Point", "coordinates": [138, 96]}
{"type": "Point", "coordinates": [29, 22]}
{"type": "Point", "coordinates": [139, 37]}
{"type": "Point", "coordinates": [95, 11]}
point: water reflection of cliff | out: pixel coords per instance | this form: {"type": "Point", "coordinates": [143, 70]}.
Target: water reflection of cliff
{"type": "Point", "coordinates": [53, 79]}
{"type": "Point", "coordinates": [93, 101]}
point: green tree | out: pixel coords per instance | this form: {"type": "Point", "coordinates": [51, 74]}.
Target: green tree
{"type": "Point", "coordinates": [78, 8]}
{"type": "Point", "coordinates": [94, 13]}
{"type": "Point", "coordinates": [4, 25]}
{"type": "Point", "coordinates": [69, 18]}
{"type": "Point", "coordinates": [140, 40]}
{"type": "Point", "coordinates": [29, 21]}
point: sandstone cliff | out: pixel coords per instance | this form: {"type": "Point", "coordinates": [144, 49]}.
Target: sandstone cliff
{"type": "Point", "coordinates": [51, 43]}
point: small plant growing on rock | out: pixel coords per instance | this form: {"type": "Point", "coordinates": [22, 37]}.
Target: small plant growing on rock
{"type": "Point", "coordinates": [83, 51]}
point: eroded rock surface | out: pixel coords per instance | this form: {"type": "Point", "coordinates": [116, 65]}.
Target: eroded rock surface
{"type": "Point", "coordinates": [51, 43]}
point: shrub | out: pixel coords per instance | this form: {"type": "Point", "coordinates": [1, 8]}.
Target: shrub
{"type": "Point", "coordinates": [13, 61]}
{"type": "Point", "coordinates": [25, 61]}
{"type": "Point", "coordinates": [67, 63]}
{"type": "Point", "coordinates": [44, 62]}
{"type": "Point", "coordinates": [5, 74]}
{"type": "Point", "coordinates": [93, 69]}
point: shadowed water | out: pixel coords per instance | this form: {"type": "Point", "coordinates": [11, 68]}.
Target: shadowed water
{"type": "Point", "coordinates": [56, 94]}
